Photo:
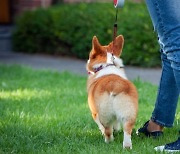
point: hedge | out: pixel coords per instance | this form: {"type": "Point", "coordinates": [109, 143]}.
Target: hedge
{"type": "Point", "coordinates": [67, 29]}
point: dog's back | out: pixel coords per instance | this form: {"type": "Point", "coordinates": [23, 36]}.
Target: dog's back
{"type": "Point", "coordinates": [113, 100]}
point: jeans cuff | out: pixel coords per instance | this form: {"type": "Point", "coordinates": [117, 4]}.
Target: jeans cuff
{"type": "Point", "coordinates": [161, 123]}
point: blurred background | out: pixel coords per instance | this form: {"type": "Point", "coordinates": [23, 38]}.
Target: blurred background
{"type": "Point", "coordinates": [66, 28]}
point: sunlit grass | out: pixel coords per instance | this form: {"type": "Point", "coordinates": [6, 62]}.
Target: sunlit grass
{"type": "Point", "coordinates": [20, 94]}
{"type": "Point", "coordinates": [47, 112]}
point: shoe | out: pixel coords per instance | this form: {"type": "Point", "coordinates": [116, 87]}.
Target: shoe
{"type": "Point", "coordinates": [143, 130]}
{"type": "Point", "coordinates": [171, 147]}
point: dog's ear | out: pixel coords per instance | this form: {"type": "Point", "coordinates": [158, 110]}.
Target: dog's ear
{"type": "Point", "coordinates": [96, 48]}
{"type": "Point", "coordinates": [95, 44]}
{"type": "Point", "coordinates": [118, 45]}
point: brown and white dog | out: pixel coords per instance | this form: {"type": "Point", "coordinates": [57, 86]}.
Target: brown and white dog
{"type": "Point", "coordinates": [112, 99]}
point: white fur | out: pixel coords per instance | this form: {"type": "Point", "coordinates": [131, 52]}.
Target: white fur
{"type": "Point", "coordinates": [118, 62]}
{"type": "Point", "coordinates": [114, 60]}
{"type": "Point", "coordinates": [122, 107]}
{"type": "Point", "coordinates": [109, 58]}
{"type": "Point", "coordinates": [127, 141]}
{"type": "Point", "coordinates": [116, 110]}
{"type": "Point", "coordinates": [101, 127]}
{"type": "Point", "coordinates": [117, 125]}
{"type": "Point", "coordinates": [117, 70]}
{"type": "Point", "coordinates": [88, 61]}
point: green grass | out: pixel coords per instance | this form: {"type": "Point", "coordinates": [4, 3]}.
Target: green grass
{"type": "Point", "coordinates": [47, 112]}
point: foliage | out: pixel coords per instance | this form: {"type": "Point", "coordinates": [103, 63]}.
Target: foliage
{"type": "Point", "coordinates": [67, 29]}
{"type": "Point", "coordinates": [47, 112]}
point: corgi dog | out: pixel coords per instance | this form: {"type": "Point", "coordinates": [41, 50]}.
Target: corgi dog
{"type": "Point", "coordinates": [112, 98]}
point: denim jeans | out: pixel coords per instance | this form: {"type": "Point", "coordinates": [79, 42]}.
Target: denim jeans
{"type": "Point", "coordinates": [165, 15]}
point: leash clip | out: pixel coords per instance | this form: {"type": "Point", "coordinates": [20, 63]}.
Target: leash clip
{"type": "Point", "coordinates": [112, 58]}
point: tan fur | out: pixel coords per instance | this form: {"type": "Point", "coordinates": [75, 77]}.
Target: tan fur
{"type": "Point", "coordinates": [111, 98]}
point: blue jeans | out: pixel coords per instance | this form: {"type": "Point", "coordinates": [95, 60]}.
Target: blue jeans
{"type": "Point", "coordinates": [165, 15]}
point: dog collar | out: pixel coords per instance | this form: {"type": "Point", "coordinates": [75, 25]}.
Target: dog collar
{"type": "Point", "coordinates": [99, 68]}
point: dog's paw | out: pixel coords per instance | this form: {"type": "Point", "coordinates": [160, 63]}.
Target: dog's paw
{"type": "Point", "coordinates": [127, 145]}
{"type": "Point", "coordinates": [109, 139]}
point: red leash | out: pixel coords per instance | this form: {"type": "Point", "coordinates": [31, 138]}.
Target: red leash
{"type": "Point", "coordinates": [114, 32]}
{"type": "Point", "coordinates": [117, 4]}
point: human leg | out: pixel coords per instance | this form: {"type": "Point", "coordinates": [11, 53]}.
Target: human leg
{"type": "Point", "coordinates": [174, 57]}
{"type": "Point", "coordinates": [167, 98]}
{"type": "Point", "coordinates": [165, 16]}
{"type": "Point", "coordinates": [166, 102]}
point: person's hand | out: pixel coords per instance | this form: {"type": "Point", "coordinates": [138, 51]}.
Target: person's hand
{"type": "Point", "coordinates": [118, 3]}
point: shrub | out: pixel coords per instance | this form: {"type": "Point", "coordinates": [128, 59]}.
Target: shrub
{"type": "Point", "coordinates": [68, 29]}
{"type": "Point", "coordinates": [34, 32]}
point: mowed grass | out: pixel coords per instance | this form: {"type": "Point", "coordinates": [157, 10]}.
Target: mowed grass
{"type": "Point", "coordinates": [47, 112]}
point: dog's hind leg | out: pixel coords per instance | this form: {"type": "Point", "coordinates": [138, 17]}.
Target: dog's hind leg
{"type": "Point", "coordinates": [96, 119]}
{"type": "Point", "coordinates": [117, 126]}
{"type": "Point", "coordinates": [127, 128]}
{"type": "Point", "coordinates": [109, 134]}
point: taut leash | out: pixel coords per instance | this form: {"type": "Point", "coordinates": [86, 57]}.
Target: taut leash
{"type": "Point", "coordinates": [117, 4]}
{"type": "Point", "coordinates": [115, 30]}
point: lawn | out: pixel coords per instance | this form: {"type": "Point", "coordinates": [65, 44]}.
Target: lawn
{"type": "Point", "coordinates": [43, 111]}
